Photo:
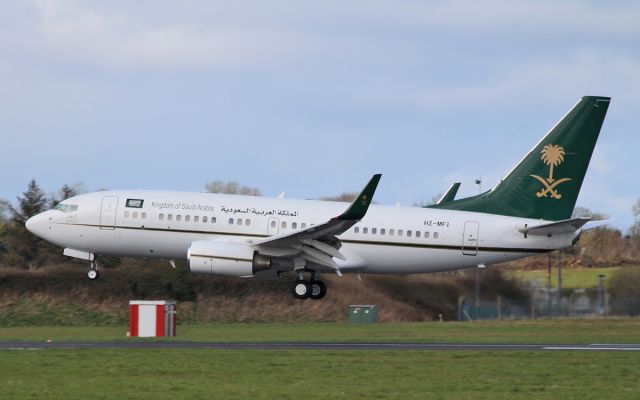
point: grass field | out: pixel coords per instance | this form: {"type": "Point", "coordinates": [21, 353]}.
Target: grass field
{"type": "Point", "coordinates": [594, 330]}
{"type": "Point", "coordinates": [275, 374]}
{"type": "Point", "coordinates": [330, 374]}
{"type": "Point", "coordinates": [571, 277]}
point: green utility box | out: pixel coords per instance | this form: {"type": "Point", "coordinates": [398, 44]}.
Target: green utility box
{"type": "Point", "coordinates": [363, 314]}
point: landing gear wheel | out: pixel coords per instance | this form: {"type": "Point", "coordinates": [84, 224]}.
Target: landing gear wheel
{"type": "Point", "coordinates": [93, 274]}
{"type": "Point", "coordinates": [318, 290]}
{"type": "Point", "coordinates": [301, 289]}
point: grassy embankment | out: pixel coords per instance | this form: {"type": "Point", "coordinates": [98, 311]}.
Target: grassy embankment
{"type": "Point", "coordinates": [596, 330]}
{"type": "Point", "coordinates": [63, 296]}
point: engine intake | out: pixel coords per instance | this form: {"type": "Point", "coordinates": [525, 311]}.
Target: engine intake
{"type": "Point", "coordinates": [224, 258]}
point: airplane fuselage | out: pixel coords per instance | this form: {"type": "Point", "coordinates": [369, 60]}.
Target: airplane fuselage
{"type": "Point", "coordinates": [388, 240]}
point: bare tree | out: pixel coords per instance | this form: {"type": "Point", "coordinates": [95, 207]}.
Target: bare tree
{"type": "Point", "coordinates": [231, 188]}
{"type": "Point", "coordinates": [424, 203]}
{"type": "Point", "coordinates": [584, 212]}
{"type": "Point", "coordinates": [67, 191]}
{"type": "Point", "coordinates": [346, 197]}
{"type": "Point", "coordinates": [635, 229]}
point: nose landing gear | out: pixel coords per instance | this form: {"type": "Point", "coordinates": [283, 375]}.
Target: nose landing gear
{"type": "Point", "coordinates": [93, 273]}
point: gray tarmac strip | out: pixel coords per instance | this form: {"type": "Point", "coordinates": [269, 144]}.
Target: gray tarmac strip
{"type": "Point", "coordinates": [162, 345]}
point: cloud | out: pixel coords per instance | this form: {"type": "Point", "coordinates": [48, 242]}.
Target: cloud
{"type": "Point", "coordinates": [131, 40]}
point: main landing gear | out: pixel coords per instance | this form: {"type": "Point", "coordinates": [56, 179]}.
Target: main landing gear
{"type": "Point", "coordinates": [314, 288]}
{"type": "Point", "coordinates": [93, 273]}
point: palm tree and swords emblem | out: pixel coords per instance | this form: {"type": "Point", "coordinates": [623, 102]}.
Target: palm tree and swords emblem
{"type": "Point", "coordinates": [552, 155]}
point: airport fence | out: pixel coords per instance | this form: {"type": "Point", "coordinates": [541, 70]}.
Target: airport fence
{"type": "Point", "coordinates": [548, 303]}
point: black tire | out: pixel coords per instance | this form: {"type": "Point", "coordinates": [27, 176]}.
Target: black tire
{"type": "Point", "coordinates": [318, 290]}
{"type": "Point", "coordinates": [301, 289]}
{"type": "Point", "coordinates": [93, 274]}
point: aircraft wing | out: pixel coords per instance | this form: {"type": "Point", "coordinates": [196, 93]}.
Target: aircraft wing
{"type": "Point", "coordinates": [554, 228]}
{"type": "Point", "coordinates": [319, 243]}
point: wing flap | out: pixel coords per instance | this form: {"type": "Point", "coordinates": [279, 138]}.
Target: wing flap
{"type": "Point", "coordinates": [319, 244]}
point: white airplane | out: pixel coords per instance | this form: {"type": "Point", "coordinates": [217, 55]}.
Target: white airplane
{"type": "Point", "coordinates": [528, 212]}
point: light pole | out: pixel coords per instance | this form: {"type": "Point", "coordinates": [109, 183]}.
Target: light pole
{"type": "Point", "coordinates": [601, 293]}
{"type": "Point", "coordinates": [479, 183]}
{"type": "Point", "coordinates": [478, 268]}
{"type": "Point", "coordinates": [560, 273]}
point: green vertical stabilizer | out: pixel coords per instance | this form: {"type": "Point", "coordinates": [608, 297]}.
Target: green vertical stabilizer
{"type": "Point", "coordinates": [546, 183]}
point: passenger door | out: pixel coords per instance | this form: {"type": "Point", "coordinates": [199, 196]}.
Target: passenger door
{"type": "Point", "coordinates": [108, 212]}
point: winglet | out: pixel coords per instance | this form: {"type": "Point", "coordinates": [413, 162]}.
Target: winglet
{"type": "Point", "coordinates": [360, 205]}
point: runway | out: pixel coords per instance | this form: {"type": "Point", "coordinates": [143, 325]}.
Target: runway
{"type": "Point", "coordinates": [161, 345]}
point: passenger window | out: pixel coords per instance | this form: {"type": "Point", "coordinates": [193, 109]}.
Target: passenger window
{"type": "Point", "coordinates": [247, 222]}
{"type": "Point", "coordinates": [417, 234]}
{"type": "Point", "coordinates": [187, 218]}
{"type": "Point", "coordinates": [365, 230]}
{"type": "Point", "coordinates": [408, 233]}
{"type": "Point", "coordinates": [273, 224]}
{"type": "Point", "coordinates": [390, 232]}
{"type": "Point", "coordinates": [356, 229]}
{"type": "Point", "coordinates": [426, 235]}
{"type": "Point", "coordinates": [303, 225]}
{"type": "Point", "coordinates": [294, 225]}
{"type": "Point", "coordinates": [161, 217]}
{"type": "Point", "coordinates": [143, 215]}
{"type": "Point", "coordinates": [239, 221]}
{"type": "Point", "coordinates": [283, 225]}
{"type": "Point", "coordinates": [135, 214]}
{"type": "Point", "coordinates": [435, 235]}
{"type": "Point", "coordinates": [230, 221]}
{"type": "Point", "coordinates": [383, 231]}
{"type": "Point", "coordinates": [400, 232]}
{"type": "Point", "coordinates": [126, 214]}
{"type": "Point", "coordinates": [196, 219]}
{"type": "Point", "coordinates": [213, 220]}
{"type": "Point", "coordinates": [205, 219]}
{"type": "Point", "coordinates": [374, 231]}
{"type": "Point", "coordinates": [178, 217]}
{"type": "Point", "coordinates": [170, 217]}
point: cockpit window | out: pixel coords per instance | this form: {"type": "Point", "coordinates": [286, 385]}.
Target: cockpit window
{"type": "Point", "coordinates": [66, 208]}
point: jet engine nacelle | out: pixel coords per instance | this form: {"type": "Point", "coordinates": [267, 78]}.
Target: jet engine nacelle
{"type": "Point", "coordinates": [225, 258]}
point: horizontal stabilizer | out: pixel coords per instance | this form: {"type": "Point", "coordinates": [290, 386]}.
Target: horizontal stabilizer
{"type": "Point", "coordinates": [555, 228]}
{"type": "Point", "coordinates": [595, 224]}
{"type": "Point", "coordinates": [450, 195]}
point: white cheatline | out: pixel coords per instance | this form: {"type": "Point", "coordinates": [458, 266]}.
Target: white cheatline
{"type": "Point", "coordinates": [597, 347]}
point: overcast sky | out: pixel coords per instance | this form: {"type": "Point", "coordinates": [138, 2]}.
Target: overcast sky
{"type": "Point", "coordinates": [312, 97]}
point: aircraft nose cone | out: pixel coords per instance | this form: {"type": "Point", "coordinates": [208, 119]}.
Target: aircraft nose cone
{"type": "Point", "coordinates": [36, 224]}
{"type": "Point", "coordinates": [29, 224]}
